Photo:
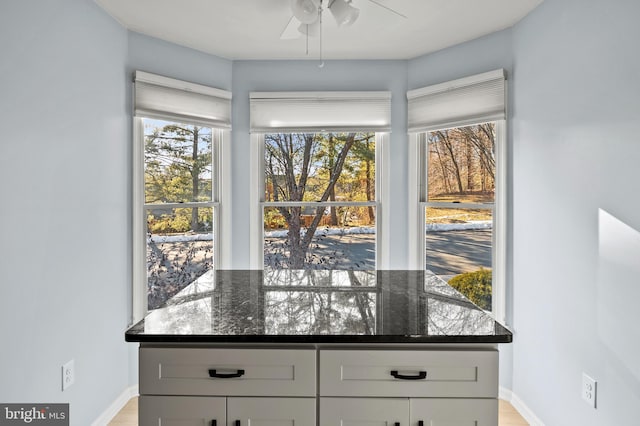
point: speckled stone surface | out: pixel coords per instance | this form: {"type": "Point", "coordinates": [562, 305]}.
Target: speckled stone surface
{"type": "Point", "coordinates": [323, 307]}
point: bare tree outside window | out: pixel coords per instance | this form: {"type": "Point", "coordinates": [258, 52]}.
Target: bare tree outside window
{"type": "Point", "coordinates": [460, 197]}
{"type": "Point", "coordinates": [319, 200]}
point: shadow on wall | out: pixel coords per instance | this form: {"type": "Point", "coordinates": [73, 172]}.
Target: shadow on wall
{"type": "Point", "coordinates": [618, 292]}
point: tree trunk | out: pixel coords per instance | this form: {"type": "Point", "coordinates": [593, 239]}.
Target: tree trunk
{"type": "Point", "coordinates": [195, 179]}
{"type": "Point", "coordinates": [296, 256]}
{"type": "Point", "coordinates": [446, 185]}
{"type": "Point", "coordinates": [306, 241]}
{"type": "Point", "coordinates": [456, 168]}
{"type": "Point", "coordinates": [332, 193]}
{"type": "Point", "coordinates": [368, 186]}
{"type": "Point", "coordinates": [469, 155]}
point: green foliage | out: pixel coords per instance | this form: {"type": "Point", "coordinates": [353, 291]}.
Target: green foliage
{"type": "Point", "coordinates": [273, 219]}
{"type": "Point", "coordinates": [177, 162]}
{"type": "Point", "coordinates": [179, 222]}
{"type": "Point", "coordinates": [168, 224]}
{"type": "Point", "coordinates": [476, 286]}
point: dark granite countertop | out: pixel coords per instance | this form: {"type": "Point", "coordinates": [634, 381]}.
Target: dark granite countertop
{"type": "Point", "coordinates": [319, 307]}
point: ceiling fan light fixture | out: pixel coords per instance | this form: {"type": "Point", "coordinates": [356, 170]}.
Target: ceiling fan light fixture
{"type": "Point", "coordinates": [305, 11]}
{"type": "Point", "coordinates": [311, 30]}
{"type": "Point", "coordinates": [343, 12]}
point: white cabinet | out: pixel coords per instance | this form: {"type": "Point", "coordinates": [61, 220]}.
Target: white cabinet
{"type": "Point", "coordinates": [181, 411]}
{"type": "Point", "coordinates": [217, 411]}
{"type": "Point", "coordinates": [409, 373]}
{"type": "Point", "coordinates": [408, 412]}
{"type": "Point", "coordinates": [271, 411]}
{"type": "Point", "coordinates": [206, 386]}
{"type": "Point", "coordinates": [222, 372]}
{"type": "Point", "coordinates": [440, 387]}
{"type": "Point", "coordinates": [453, 412]}
{"type": "Point", "coordinates": [234, 387]}
{"type": "Point", "coordinates": [364, 412]}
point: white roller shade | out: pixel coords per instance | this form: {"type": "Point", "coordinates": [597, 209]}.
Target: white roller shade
{"type": "Point", "coordinates": [470, 100]}
{"type": "Point", "coordinates": [320, 111]}
{"type": "Point", "coordinates": [167, 98]}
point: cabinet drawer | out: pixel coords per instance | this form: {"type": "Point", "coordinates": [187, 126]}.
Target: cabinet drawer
{"type": "Point", "coordinates": [426, 373]}
{"type": "Point", "coordinates": [261, 372]}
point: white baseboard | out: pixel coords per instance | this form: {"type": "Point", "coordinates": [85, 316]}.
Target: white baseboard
{"type": "Point", "coordinates": [505, 394]}
{"type": "Point", "coordinates": [520, 406]}
{"type": "Point", "coordinates": [116, 406]}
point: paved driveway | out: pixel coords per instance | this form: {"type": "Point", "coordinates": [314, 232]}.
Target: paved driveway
{"type": "Point", "coordinates": [472, 248]}
{"type": "Point", "coordinates": [472, 251]}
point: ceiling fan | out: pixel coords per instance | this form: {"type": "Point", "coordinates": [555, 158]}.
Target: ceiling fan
{"type": "Point", "coordinates": [306, 19]}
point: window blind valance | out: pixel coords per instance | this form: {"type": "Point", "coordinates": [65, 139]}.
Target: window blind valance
{"type": "Point", "coordinates": [320, 111]}
{"type": "Point", "coordinates": [167, 98]}
{"type": "Point", "coordinates": [456, 103]}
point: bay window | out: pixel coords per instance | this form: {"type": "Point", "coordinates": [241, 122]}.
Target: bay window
{"type": "Point", "coordinates": [179, 129]}
{"type": "Point", "coordinates": [458, 137]}
{"type": "Point", "coordinates": [317, 181]}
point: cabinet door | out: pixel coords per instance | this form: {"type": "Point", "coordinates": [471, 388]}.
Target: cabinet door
{"type": "Point", "coordinates": [364, 412]}
{"type": "Point", "coordinates": [181, 411]}
{"type": "Point", "coordinates": [271, 411]}
{"type": "Point", "coordinates": [454, 412]}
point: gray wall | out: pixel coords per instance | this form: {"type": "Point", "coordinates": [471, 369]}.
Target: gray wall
{"type": "Point", "coordinates": [160, 57]}
{"type": "Point", "coordinates": [64, 221]}
{"type": "Point", "coordinates": [576, 223]}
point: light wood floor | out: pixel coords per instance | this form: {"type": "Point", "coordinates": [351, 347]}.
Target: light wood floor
{"type": "Point", "coordinates": [128, 416]}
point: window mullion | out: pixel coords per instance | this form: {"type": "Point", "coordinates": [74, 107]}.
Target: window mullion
{"type": "Point", "coordinates": [188, 205]}
{"type": "Point", "coordinates": [318, 203]}
{"type": "Point", "coordinates": [440, 204]}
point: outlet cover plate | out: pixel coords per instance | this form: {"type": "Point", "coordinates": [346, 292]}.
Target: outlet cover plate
{"type": "Point", "coordinates": [589, 390]}
{"type": "Point", "coordinates": [68, 374]}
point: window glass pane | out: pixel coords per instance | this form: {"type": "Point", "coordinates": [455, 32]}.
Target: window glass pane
{"type": "Point", "coordinates": [461, 164]}
{"type": "Point", "coordinates": [179, 251]}
{"type": "Point", "coordinates": [177, 162]}
{"type": "Point", "coordinates": [459, 250]}
{"type": "Point", "coordinates": [302, 167]}
{"type": "Point", "coordinates": [341, 237]}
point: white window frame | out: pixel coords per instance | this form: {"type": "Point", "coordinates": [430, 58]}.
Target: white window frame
{"type": "Point", "coordinates": [220, 197]}
{"type": "Point", "coordinates": [491, 92]}
{"type": "Point", "coordinates": [258, 203]}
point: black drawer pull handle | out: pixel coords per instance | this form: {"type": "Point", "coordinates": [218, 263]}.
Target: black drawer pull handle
{"type": "Point", "coordinates": [214, 373]}
{"type": "Point", "coordinates": [237, 423]}
{"type": "Point", "coordinates": [397, 424]}
{"type": "Point", "coordinates": [420, 423]}
{"type": "Point", "coordinates": [421, 375]}
{"type": "Point", "coordinates": [214, 422]}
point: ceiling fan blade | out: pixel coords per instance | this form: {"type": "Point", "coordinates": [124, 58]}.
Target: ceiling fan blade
{"type": "Point", "coordinates": [388, 8]}
{"type": "Point", "coordinates": [291, 30]}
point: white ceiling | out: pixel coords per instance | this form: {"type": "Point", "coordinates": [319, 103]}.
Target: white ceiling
{"type": "Point", "coordinates": [250, 29]}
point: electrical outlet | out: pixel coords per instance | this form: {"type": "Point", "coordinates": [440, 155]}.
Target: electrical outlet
{"type": "Point", "coordinates": [68, 375]}
{"type": "Point", "coordinates": [589, 388]}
